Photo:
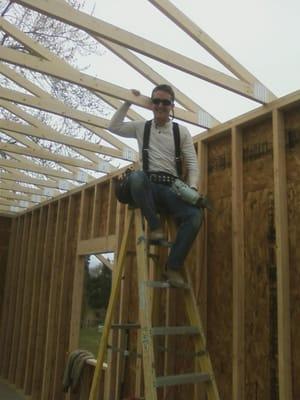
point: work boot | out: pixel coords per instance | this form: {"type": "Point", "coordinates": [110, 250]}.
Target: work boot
{"type": "Point", "coordinates": [174, 278]}
{"type": "Point", "coordinates": [157, 238]}
{"type": "Point", "coordinates": [156, 235]}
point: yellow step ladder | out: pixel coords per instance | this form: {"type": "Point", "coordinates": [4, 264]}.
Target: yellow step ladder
{"type": "Point", "coordinates": [147, 331]}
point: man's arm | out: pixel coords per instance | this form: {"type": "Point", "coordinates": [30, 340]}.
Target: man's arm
{"type": "Point", "coordinates": [117, 124]}
{"type": "Point", "coordinates": [190, 158]}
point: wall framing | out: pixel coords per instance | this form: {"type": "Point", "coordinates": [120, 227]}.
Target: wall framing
{"type": "Point", "coordinates": [245, 266]}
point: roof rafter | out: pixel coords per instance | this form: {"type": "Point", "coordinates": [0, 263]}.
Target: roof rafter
{"type": "Point", "coordinates": [90, 156]}
{"type": "Point", "coordinates": [48, 134]}
{"type": "Point", "coordinates": [9, 211]}
{"type": "Point", "coordinates": [36, 148]}
{"type": "Point", "coordinates": [52, 105]}
{"type": "Point", "coordinates": [36, 48]}
{"type": "Point", "coordinates": [70, 75]}
{"type": "Point", "coordinates": [34, 192]}
{"type": "Point", "coordinates": [47, 155]}
{"type": "Point", "coordinates": [30, 166]}
{"type": "Point", "coordinates": [189, 27]}
{"type": "Point", "coordinates": [50, 186]}
{"type": "Point", "coordinates": [25, 165]}
{"type": "Point", "coordinates": [67, 14]}
{"type": "Point", "coordinates": [20, 204]}
{"type": "Point", "coordinates": [40, 51]}
{"type": "Point", "coordinates": [16, 196]}
{"type": "Point", "coordinates": [205, 119]}
{"type": "Point", "coordinates": [17, 97]}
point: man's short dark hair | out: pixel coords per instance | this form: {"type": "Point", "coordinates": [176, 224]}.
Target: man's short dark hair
{"type": "Point", "coordinates": [164, 88]}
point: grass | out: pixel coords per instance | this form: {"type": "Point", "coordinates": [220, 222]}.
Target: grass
{"type": "Point", "coordinates": [89, 339]}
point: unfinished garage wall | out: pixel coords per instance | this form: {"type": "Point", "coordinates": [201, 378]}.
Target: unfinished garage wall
{"type": "Point", "coordinates": [245, 267]}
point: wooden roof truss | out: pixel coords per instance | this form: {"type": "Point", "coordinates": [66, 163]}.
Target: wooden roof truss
{"type": "Point", "coordinates": [45, 182]}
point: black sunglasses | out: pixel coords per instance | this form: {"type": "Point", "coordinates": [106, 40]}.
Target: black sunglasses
{"type": "Point", "coordinates": [165, 102]}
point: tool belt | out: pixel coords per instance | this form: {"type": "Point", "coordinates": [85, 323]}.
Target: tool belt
{"type": "Point", "coordinates": [162, 178]}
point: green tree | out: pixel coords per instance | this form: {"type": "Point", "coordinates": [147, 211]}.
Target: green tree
{"type": "Point", "coordinates": [98, 288]}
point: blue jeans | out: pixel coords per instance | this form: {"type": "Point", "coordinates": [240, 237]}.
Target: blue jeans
{"type": "Point", "coordinates": [153, 198]}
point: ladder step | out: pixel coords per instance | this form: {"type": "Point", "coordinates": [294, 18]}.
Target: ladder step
{"type": "Point", "coordinates": [124, 352]}
{"type": "Point", "coordinates": [163, 285]}
{"type": "Point", "coordinates": [160, 242]}
{"type": "Point", "coordinates": [126, 326]}
{"type": "Point", "coordinates": [151, 255]}
{"type": "Point", "coordinates": [175, 330]}
{"type": "Point", "coordinates": [182, 353]}
{"type": "Point", "coordinates": [172, 380]}
{"type": "Point", "coordinates": [158, 284]}
{"type": "Point", "coordinates": [162, 330]}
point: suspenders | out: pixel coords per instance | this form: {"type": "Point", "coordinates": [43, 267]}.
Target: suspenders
{"type": "Point", "coordinates": [145, 150]}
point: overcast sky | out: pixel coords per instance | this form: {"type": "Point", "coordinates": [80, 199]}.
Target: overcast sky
{"type": "Point", "coordinates": [263, 35]}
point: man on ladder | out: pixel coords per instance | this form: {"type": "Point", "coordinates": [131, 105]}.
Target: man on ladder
{"type": "Point", "coordinates": [157, 188]}
{"type": "Point", "coordinates": [162, 146]}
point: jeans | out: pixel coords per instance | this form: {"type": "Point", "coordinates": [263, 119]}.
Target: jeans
{"type": "Point", "coordinates": [153, 198]}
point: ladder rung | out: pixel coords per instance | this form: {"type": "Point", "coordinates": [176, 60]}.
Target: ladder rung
{"type": "Point", "coordinates": [124, 352]}
{"type": "Point", "coordinates": [125, 326]}
{"type": "Point", "coordinates": [162, 285]}
{"type": "Point", "coordinates": [160, 243]}
{"type": "Point", "coordinates": [151, 255]}
{"type": "Point", "coordinates": [183, 353]}
{"type": "Point", "coordinates": [175, 330]}
{"type": "Point", "coordinates": [173, 380]}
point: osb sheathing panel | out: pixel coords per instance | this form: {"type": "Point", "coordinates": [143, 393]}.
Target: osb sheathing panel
{"type": "Point", "coordinates": [113, 204]}
{"type": "Point", "coordinates": [259, 260]}
{"type": "Point", "coordinates": [43, 312]}
{"type": "Point", "coordinates": [101, 209]}
{"type": "Point", "coordinates": [292, 130]}
{"type": "Point", "coordinates": [26, 298]}
{"type": "Point", "coordinates": [86, 223]}
{"type": "Point", "coordinates": [35, 300]}
{"type": "Point", "coordinates": [219, 263]}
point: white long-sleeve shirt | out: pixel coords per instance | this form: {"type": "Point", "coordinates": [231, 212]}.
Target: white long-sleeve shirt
{"type": "Point", "coordinates": [161, 144]}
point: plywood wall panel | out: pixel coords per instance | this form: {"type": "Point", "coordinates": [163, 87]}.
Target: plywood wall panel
{"type": "Point", "coordinates": [35, 301]}
{"type": "Point", "coordinates": [20, 289]}
{"type": "Point", "coordinates": [7, 284]}
{"type": "Point", "coordinates": [52, 337]}
{"type": "Point", "coordinates": [8, 324]}
{"type": "Point", "coordinates": [43, 311]}
{"type": "Point", "coordinates": [292, 133]}
{"type": "Point", "coordinates": [5, 230]}
{"type": "Point", "coordinates": [26, 303]}
{"type": "Point", "coordinates": [219, 263]}
{"type": "Point", "coordinates": [260, 290]}
{"type": "Point", "coordinates": [88, 210]}
{"type": "Point", "coordinates": [5, 233]}
{"type": "Point", "coordinates": [112, 211]}
{"type": "Point", "coordinates": [68, 260]}
{"type": "Point", "coordinates": [102, 207]}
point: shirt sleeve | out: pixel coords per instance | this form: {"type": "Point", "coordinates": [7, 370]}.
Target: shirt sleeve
{"type": "Point", "coordinates": [117, 124]}
{"type": "Point", "coordinates": [190, 158]}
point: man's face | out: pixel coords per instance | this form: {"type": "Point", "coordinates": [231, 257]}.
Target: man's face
{"type": "Point", "coordinates": [162, 105]}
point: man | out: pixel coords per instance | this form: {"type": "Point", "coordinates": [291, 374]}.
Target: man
{"type": "Point", "coordinates": [150, 188]}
